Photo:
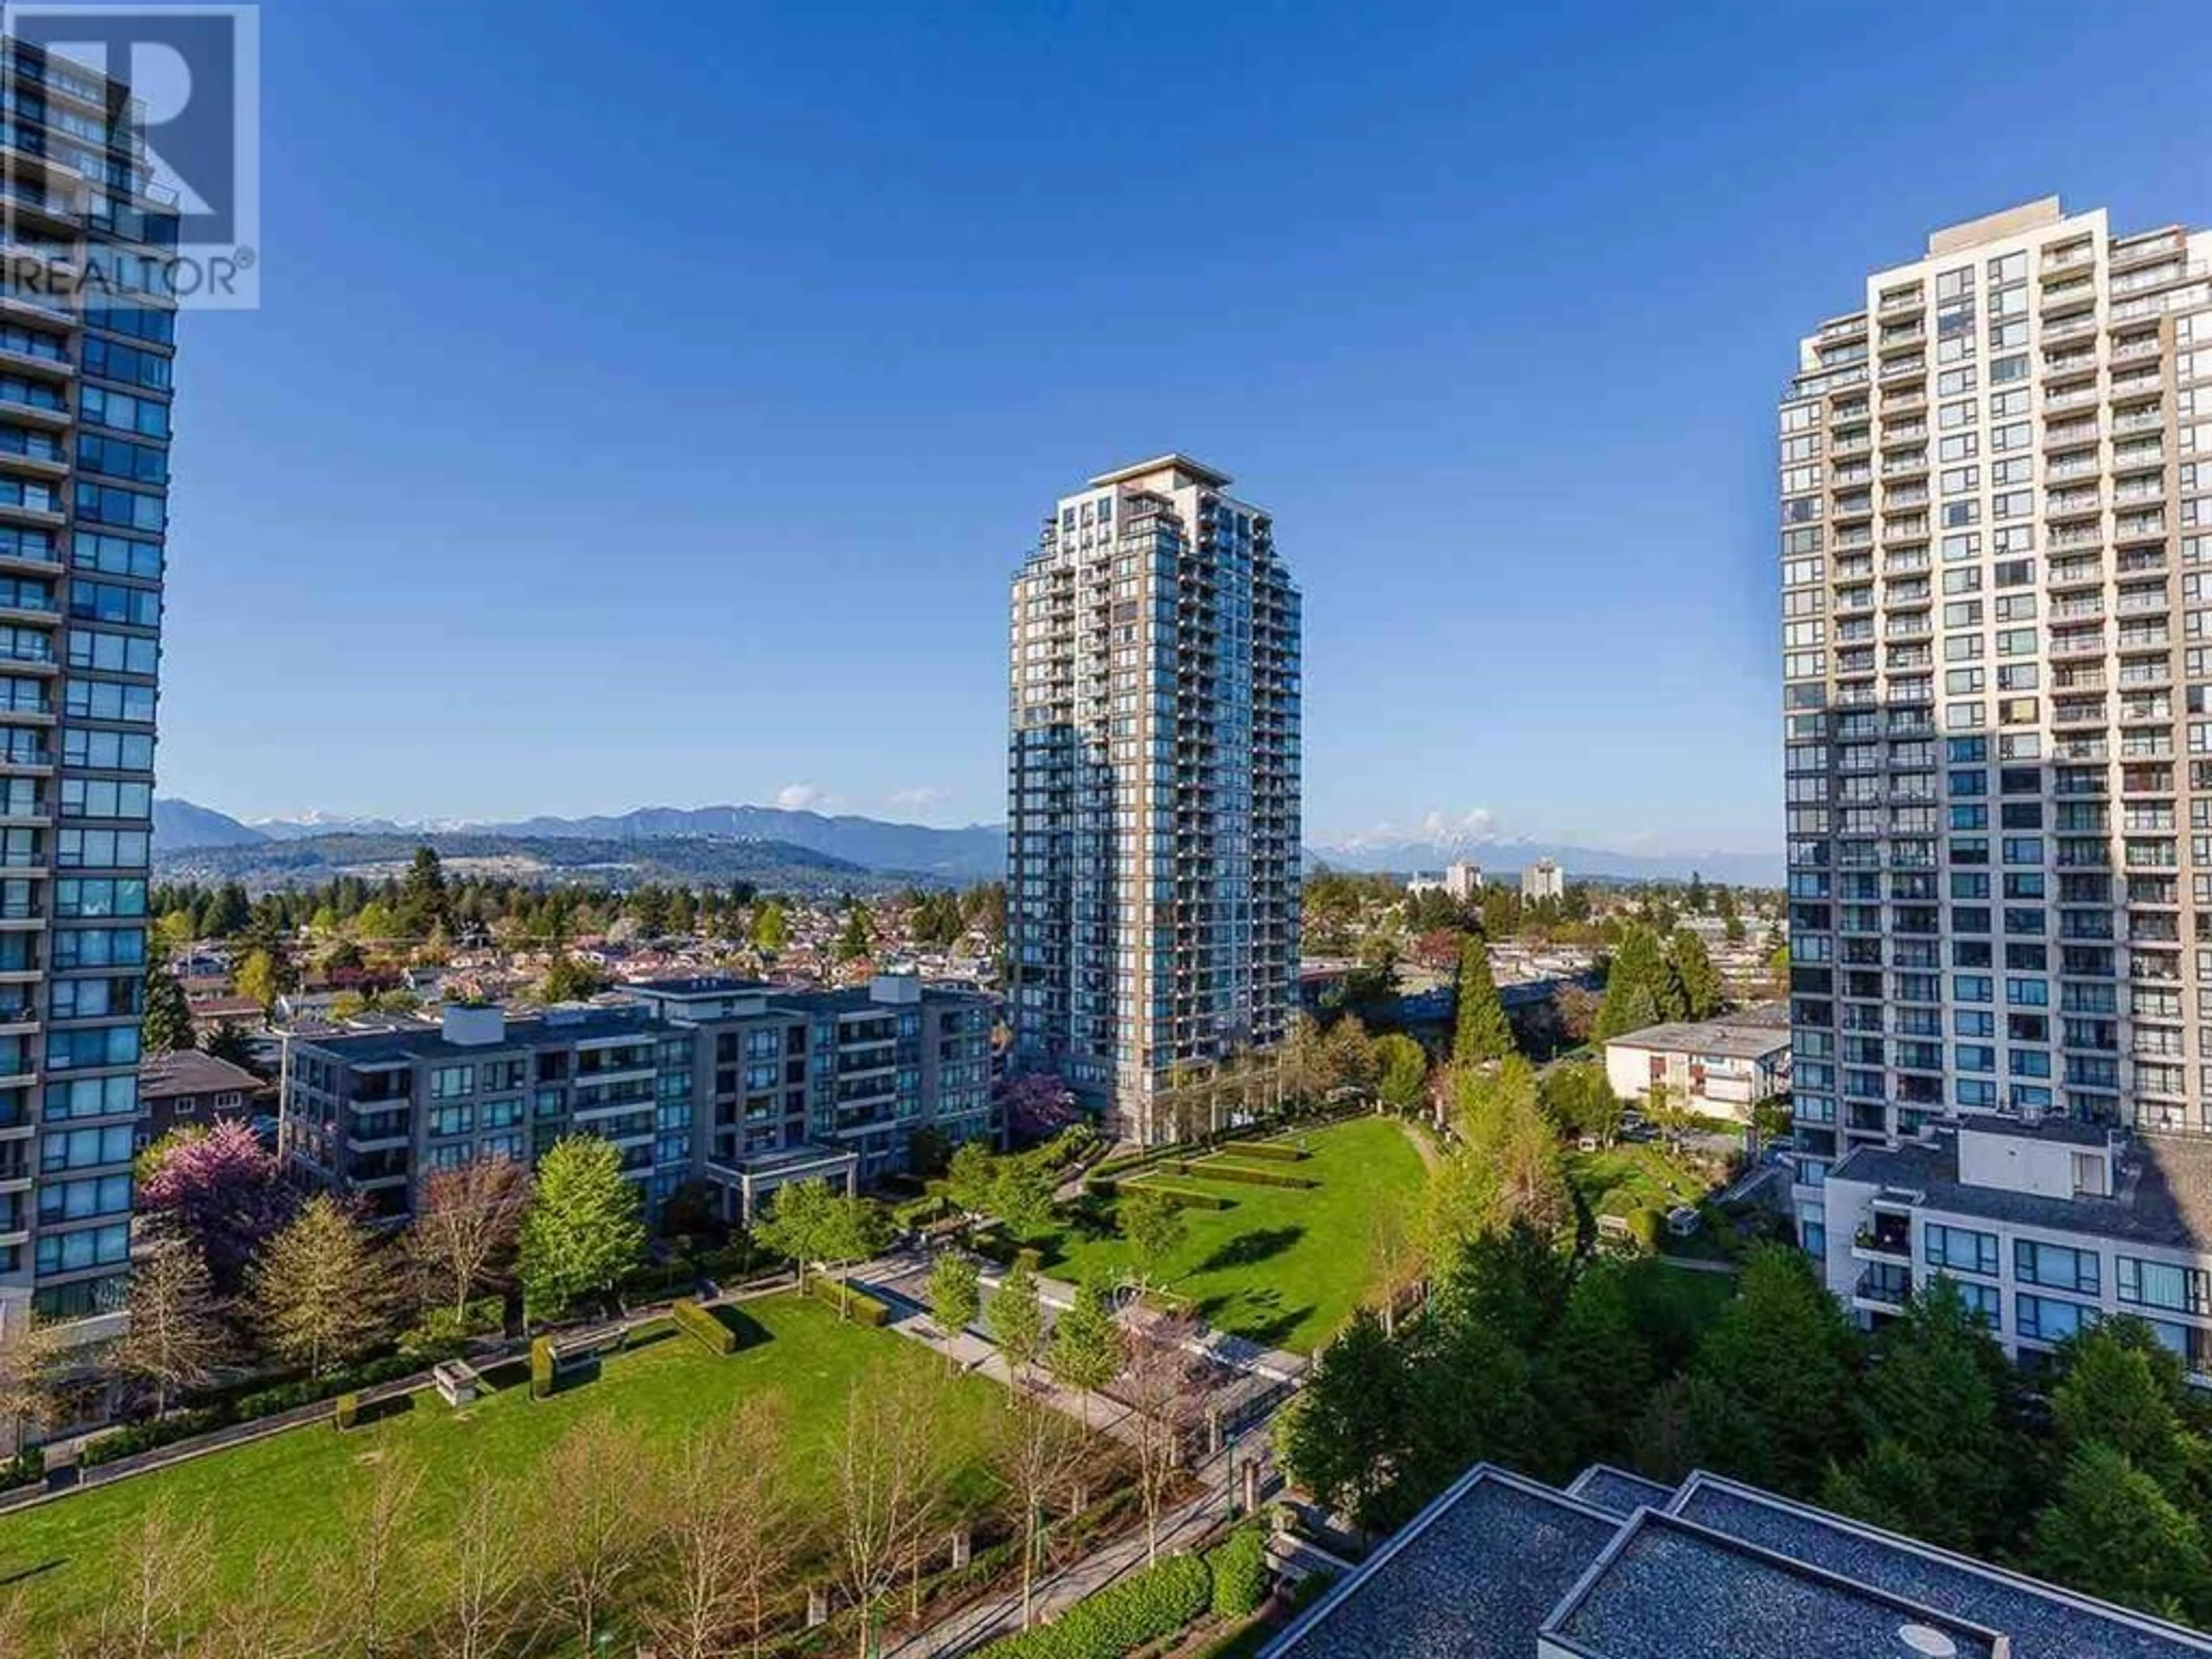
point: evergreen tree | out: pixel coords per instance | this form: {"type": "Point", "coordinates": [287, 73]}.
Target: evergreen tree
{"type": "Point", "coordinates": [1696, 982]}
{"type": "Point", "coordinates": [425, 905]}
{"type": "Point", "coordinates": [168, 1026]}
{"type": "Point", "coordinates": [1784, 1352]}
{"type": "Point", "coordinates": [1350, 1429]}
{"type": "Point", "coordinates": [2121, 1387]}
{"type": "Point", "coordinates": [1639, 990]}
{"type": "Point", "coordinates": [1944, 1449]}
{"type": "Point", "coordinates": [1594, 1373]}
{"type": "Point", "coordinates": [2112, 1531]}
{"type": "Point", "coordinates": [1482, 1031]}
{"type": "Point", "coordinates": [857, 939]}
{"type": "Point", "coordinates": [582, 1231]}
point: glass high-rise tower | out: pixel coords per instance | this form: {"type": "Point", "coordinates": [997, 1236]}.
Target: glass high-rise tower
{"type": "Point", "coordinates": [85, 381]}
{"type": "Point", "coordinates": [1997, 531]}
{"type": "Point", "coordinates": [1152, 851]}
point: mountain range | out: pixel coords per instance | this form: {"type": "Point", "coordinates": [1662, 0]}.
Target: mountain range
{"type": "Point", "coordinates": [1504, 860]}
{"type": "Point", "coordinates": [976, 853]}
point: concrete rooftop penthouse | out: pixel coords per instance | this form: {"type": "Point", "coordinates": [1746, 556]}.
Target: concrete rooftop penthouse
{"type": "Point", "coordinates": [1500, 1567]}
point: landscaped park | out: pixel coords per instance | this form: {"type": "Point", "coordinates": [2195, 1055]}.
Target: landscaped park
{"type": "Point", "coordinates": [1292, 1248]}
{"type": "Point", "coordinates": [285, 1505]}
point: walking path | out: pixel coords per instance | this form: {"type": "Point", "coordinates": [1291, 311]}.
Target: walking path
{"type": "Point", "coordinates": [1186, 1527]}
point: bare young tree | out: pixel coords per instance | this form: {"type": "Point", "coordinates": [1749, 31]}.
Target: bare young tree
{"type": "Point", "coordinates": [32, 1357]}
{"type": "Point", "coordinates": [466, 1229]}
{"type": "Point", "coordinates": [729, 1530]}
{"type": "Point", "coordinates": [159, 1594]}
{"type": "Point", "coordinates": [1395, 1261]}
{"type": "Point", "coordinates": [480, 1574]}
{"type": "Point", "coordinates": [1039, 1453]}
{"type": "Point", "coordinates": [271, 1619]}
{"type": "Point", "coordinates": [885, 1465]}
{"type": "Point", "coordinates": [593, 1528]}
{"type": "Point", "coordinates": [1156, 1385]}
{"type": "Point", "coordinates": [375, 1568]}
{"type": "Point", "coordinates": [176, 1336]}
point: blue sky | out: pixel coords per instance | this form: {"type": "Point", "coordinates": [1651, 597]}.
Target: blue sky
{"type": "Point", "coordinates": [648, 403]}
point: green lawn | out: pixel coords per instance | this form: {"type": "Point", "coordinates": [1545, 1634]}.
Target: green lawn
{"type": "Point", "coordinates": [288, 1493]}
{"type": "Point", "coordinates": [1632, 1176]}
{"type": "Point", "coordinates": [1283, 1266]}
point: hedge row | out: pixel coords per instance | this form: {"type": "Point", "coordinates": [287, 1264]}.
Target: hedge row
{"type": "Point", "coordinates": [854, 1303]}
{"type": "Point", "coordinates": [1280, 1151]}
{"type": "Point", "coordinates": [695, 1321]}
{"type": "Point", "coordinates": [541, 1367]}
{"type": "Point", "coordinates": [27, 1467]}
{"type": "Point", "coordinates": [1184, 1198]}
{"type": "Point", "coordinates": [1214, 1169]}
{"type": "Point", "coordinates": [1155, 1603]}
{"type": "Point", "coordinates": [1239, 1566]}
{"type": "Point", "coordinates": [221, 1413]}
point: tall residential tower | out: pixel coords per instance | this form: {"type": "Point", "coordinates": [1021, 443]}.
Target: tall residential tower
{"type": "Point", "coordinates": [1152, 787]}
{"type": "Point", "coordinates": [85, 355]}
{"type": "Point", "coordinates": [1997, 656]}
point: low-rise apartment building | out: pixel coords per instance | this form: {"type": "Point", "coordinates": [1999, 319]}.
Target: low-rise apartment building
{"type": "Point", "coordinates": [2045, 1227]}
{"type": "Point", "coordinates": [739, 1084]}
{"type": "Point", "coordinates": [1721, 1066]}
{"type": "Point", "coordinates": [189, 1090]}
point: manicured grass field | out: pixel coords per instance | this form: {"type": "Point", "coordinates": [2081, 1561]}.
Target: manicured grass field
{"type": "Point", "coordinates": [288, 1495]}
{"type": "Point", "coordinates": [1283, 1266]}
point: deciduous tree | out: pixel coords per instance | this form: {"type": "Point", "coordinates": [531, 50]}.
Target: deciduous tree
{"type": "Point", "coordinates": [222, 1190]}
{"type": "Point", "coordinates": [1086, 1343]}
{"type": "Point", "coordinates": [582, 1231]}
{"type": "Point", "coordinates": [955, 1297]}
{"type": "Point", "coordinates": [467, 1227]}
{"type": "Point", "coordinates": [1015, 1318]}
{"type": "Point", "coordinates": [1154, 1226]}
{"type": "Point", "coordinates": [317, 1293]}
{"type": "Point", "coordinates": [886, 1468]}
{"type": "Point", "coordinates": [1039, 1453]}
{"type": "Point", "coordinates": [175, 1338]}
{"type": "Point", "coordinates": [1158, 1384]}
{"type": "Point", "coordinates": [594, 1527]}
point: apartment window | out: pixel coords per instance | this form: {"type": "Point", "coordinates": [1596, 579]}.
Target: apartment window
{"type": "Point", "coordinates": [448, 1081]}
{"type": "Point", "coordinates": [2043, 1319]}
{"type": "Point", "coordinates": [2054, 1267]}
{"type": "Point", "coordinates": [2161, 1285]}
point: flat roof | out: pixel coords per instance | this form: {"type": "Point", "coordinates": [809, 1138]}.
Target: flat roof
{"type": "Point", "coordinates": [427, 1040]}
{"type": "Point", "coordinates": [1665, 1588]}
{"type": "Point", "coordinates": [2041, 1620]}
{"type": "Point", "coordinates": [1173, 458]}
{"type": "Point", "coordinates": [1617, 1492]}
{"type": "Point", "coordinates": [2162, 1189]}
{"type": "Point", "coordinates": [1736, 1038]}
{"type": "Point", "coordinates": [1471, 1577]}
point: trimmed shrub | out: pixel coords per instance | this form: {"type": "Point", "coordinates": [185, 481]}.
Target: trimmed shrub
{"type": "Point", "coordinates": [919, 1212]}
{"type": "Point", "coordinates": [657, 1280]}
{"type": "Point", "coordinates": [348, 1413]}
{"type": "Point", "coordinates": [1029, 1258]}
{"type": "Point", "coordinates": [854, 1303]}
{"type": "Point", "coordinates": [541, 1367]}
{"type": "Point", "coordinates": [289, 1397]}
{"type": "Point", "coordinates": [27, 1467]}
{"type": "Point", "coordinates": [1214, 1169]}
{"type": "Point", "coordinates": [697, 1321]}
{"type": "Point", "coordinates": [135, 1437]}
{"type": "Point", "coordinates": [1240, 1573]}
{"type": "Point", "coordinates": [1279, 1152]}
{"type": "Point", "coordinates": [1185, 1198]}
{"type": "Point", "coordinates": [442, 1333]}
{"type": "Point", "coordinates": [1155, 1603]}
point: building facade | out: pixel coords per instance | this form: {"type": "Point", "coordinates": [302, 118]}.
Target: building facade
{"type": "Point", "coordinates": [1719, 1067]}
{"type": "Point", "coordinates": [1542, 880]}
{"type": "Point", "coordinates": [1997, 650]}
{"type": "Point", "coordinates": [1462, 880]}
{"type": "Point", "coordinates": [741, 1086]}
{"type": "Point", "coordinates": [1152, 845]}
{"type": "Point", "coordinates": [85, 382]}
{"type": "Point", "coordinates": [2045, 1228]}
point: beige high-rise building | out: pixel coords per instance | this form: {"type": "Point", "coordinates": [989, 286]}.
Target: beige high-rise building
{"type": "Point", "coordinates": [1152, 845]}
{"type": "Point", "coordinates": [1997, 653]}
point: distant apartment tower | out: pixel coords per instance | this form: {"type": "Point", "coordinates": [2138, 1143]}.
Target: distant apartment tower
{"type": "Point", "coordinates": [1152, 844]}
{"type": "Point", "coordinates": [1462, 880]}
{"type": "Point", "coordinates": [1997, 655]}
{"type": "Point", "coordinates": [84, 440]}
{"type": "Point", "coordinates": [1542, 880]}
